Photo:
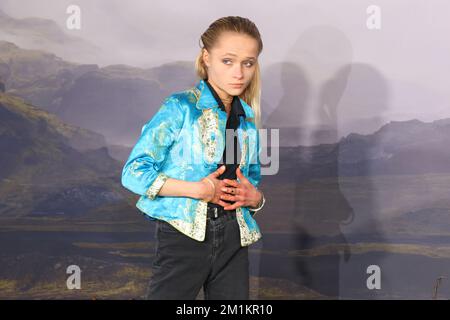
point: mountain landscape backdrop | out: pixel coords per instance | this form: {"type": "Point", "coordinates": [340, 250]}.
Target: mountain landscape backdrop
{"type": "Point", "coordinates": [336, 205]}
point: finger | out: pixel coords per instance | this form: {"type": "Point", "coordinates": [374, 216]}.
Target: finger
{"type": "Point", "coordinates": [230, 190]}
{"type": "Point", "coordinates": [223, 203]}
{"type": "Point", "coordinates": [233, 206]}
{"type": "Point", "coordinates": [218, 172]}
{"type": "Point", "coordinates": [227, 197]}
{"type": "Point", "coordinates": [240, 175]}
{"type": "Point", "coordinates": [231, 198]}
{"type": "Point", "coordinates": [230, 182]}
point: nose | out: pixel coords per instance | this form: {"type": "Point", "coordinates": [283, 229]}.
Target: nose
{"type": "Point", "coordinates": [238, 74]}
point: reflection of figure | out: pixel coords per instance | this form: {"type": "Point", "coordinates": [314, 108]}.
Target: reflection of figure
{"type": "Point", "coordinates": [320, 205]}
{"type": "Point", "coordinates": [311, 96]}
{"type": "Point", "coordinates": [326, 204]}
{"type": "Point", "coordinates": [321, 208]}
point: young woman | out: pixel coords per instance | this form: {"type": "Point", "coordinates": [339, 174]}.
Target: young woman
{"type": "Point", "coordinates": [204, 201]}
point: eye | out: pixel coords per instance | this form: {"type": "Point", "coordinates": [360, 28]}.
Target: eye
{"type": "Point", "coordinates": [249, 64]}
{"type": "Point", "coordinates": [225, 61]}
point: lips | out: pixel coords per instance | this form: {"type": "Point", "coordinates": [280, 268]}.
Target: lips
{"type": "Point", "coordinates": [237, 84]}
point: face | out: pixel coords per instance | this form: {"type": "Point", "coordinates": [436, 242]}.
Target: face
{"type": "Point", "coordinates": [232, 61]}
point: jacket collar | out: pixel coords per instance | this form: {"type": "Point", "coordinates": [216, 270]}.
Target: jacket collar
{"type": "Point", "coordinates": [207, 99]}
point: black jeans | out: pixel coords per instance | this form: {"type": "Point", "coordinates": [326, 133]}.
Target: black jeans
{"type": "Point", "coordinates": [182, 265]}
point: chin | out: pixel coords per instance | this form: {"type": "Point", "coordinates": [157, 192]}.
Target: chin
{"type": "Point", "coordinates": [236, 91]}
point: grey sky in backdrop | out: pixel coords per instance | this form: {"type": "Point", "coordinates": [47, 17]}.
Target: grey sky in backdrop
{"type": "Point", "coordinates": [410, 51]}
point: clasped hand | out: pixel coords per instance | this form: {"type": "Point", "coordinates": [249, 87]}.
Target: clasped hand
{"type": "Point", "coordinates": [243, 193]}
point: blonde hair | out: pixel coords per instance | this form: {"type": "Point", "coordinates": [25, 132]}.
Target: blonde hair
{"type": "Point", "coordinates": [252, 94]}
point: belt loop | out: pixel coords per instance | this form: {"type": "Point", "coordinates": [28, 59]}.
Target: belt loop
{"type": "Point", "coordinates": [215, 213]}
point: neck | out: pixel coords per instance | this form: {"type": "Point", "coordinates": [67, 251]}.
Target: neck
{"type": "Point", "coordinates": [227, 102]}
{"type": "Point", "coordinates": [225, 97]}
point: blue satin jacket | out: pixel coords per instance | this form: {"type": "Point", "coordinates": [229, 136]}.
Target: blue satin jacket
{"type": "Point", "coordinates": [185, 140]}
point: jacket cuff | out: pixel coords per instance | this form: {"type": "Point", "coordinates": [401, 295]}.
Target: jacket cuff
{"type": "Point", "coordinates": [153, 190]}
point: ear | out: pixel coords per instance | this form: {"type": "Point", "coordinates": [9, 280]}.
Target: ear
{"type": "Point", "coordinates": [206, 57]}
